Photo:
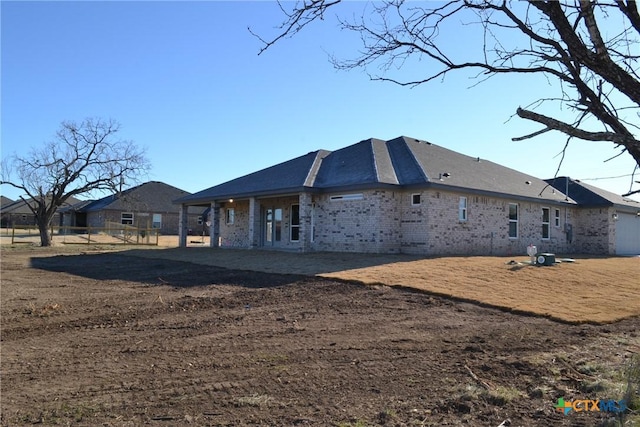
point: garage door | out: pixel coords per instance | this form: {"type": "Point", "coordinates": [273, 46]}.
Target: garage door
{"type": "Point", "coordinates": [628, 234]}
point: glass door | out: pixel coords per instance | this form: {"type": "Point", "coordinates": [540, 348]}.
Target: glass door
{"type": "Point", "coordinates": [272, 226]}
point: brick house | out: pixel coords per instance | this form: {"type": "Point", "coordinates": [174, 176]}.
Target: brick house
{"type": "Point", "coordinates": [149, 205]}
{"type": "Point", "coordinates": [401, 196]}
{"type": "Point", "coordinates": [18, 213]}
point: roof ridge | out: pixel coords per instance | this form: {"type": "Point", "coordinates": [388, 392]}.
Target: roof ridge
{"type": "Point", "coordinates": [404, 140]}
{"type": "Point", "coordinates": [381, 156]}
{"type": "Point", "coordinates": [310, 179]}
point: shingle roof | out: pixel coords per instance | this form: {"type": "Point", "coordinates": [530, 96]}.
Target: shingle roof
{"type": "Point", "coordinates": [588, 195]}
{"type": "Point", "coordinates": [288, 177]}
{"type": "Point", "coordinates": [5, 201]}
{"type": "Point", "coordinates": [402, 161]}
{"type": "Point", "coordinates": [20, 207]}
{"type": "Point", "coordinates": [152, 196]}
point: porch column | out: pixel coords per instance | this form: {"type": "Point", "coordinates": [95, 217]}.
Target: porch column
{"type": "Point", "coordinates": [306, 206]}
{"type": "Point", "coordinates": [183, 226]}
{"type": "Point", "coordinates": [254, 223]}
{"type": "Point", "coordinates": [214, 228]}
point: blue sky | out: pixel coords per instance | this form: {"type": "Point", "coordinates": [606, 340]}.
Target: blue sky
{"type": "Point", "coordinates": [185, 81]}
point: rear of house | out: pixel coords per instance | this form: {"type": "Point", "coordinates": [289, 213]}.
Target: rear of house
{"type": "Point", "coordinates": [404, 196]}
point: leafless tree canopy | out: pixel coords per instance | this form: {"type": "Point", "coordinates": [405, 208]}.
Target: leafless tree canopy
{"type": "Point", "coordinates": [590, 47]}
{"type": "Point", "coordinates": [83, 157]}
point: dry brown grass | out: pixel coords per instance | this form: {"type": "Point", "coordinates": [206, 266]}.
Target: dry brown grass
{"type": "Point", "coordinates": [588, 290]}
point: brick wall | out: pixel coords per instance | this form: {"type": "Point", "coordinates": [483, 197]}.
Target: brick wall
{"type": "Point", "coordinates": [371, 224]}
{"type": "Point", "coordinates": [434, 227]}
{"type": "Point", "coordinates": [235, 235]}
{"type": "Point", "coordinates": [594, 231]}
{"type": "Point", "coordinates": [384, 221]}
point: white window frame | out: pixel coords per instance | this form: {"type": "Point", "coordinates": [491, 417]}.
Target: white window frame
{"type": "Point", "coordinates": [154, 222]}
{"type": "Point", "coordinates": [546, 223]}
{"type": "Point", "coordinates": [413, 199]}
{"type": "Point", "coordinates": [556, 218]}
{"type": "Point", "coordinates": [462, 209]}
{"type": "Point", "coordinates": [513, 221]}
{"type": "Point", "coordinates": [230, 216]}
{"type": "Point", "coordinates": [293, 226]}
{"type": "Point", "coordinates": [129, 221]}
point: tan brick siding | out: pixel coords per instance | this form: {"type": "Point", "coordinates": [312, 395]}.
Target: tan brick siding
{"type": "Point", "coordinates": [371, 224]}
{"type": "Point", "coordinates": [385, 221]}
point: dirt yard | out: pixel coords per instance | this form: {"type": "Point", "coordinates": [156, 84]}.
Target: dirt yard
{"type": "Point", "coordinates": [139, 337]}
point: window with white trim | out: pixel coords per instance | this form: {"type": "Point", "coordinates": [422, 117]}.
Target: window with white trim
{"type": "Point", "coordinates": [556, 217]}
{"type": "Point", "coordinates": [126, 218]}
{"type": "Point", "coordinates": [230, 216]}
{"type": "Point", "coordinates": [294, 229]}
{"type": "Point", "coordinates": [415, 199]}
{"type": "Point", "coordinates": [546, 223]}
{"type": "Point", "coordinates": [462, 209]}
{"type": "Point", "coordinates": [157, 221]}
{"type": "Point", "coordinates": [513, 220]}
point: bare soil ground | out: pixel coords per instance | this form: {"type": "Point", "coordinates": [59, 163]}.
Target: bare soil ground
{"type": "Point", "coordinates": [125, 338]}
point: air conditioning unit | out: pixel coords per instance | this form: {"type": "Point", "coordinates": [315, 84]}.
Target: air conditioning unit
{"type": "Point", "coordinates": [545, 259]}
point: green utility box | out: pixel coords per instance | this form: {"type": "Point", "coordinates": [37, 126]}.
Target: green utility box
{"type": "Point", "coordinates": [545, 259]}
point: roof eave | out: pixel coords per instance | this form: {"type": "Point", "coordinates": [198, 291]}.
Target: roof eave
{"type": "Point", "coordinates": [282, 192]}
{"type": "Point", "coordinates": [490, 193]}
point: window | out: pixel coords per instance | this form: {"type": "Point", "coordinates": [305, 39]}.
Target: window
{"type": "Point", "coordinates": [557, 218]}
{"type": "Point", "coordinates": [415, 199]}
{"type": "Point", "coordinates": [545, 223]}
{"type": "Point", "coordinates": [200, 220]}
{"type": "Point", "coordinates": [462, 209]}
{"type": "Point", "coordinates": [273, 225]}
{"type": "Point", "coordinates": [157, 221]}
{"type": "Point", "coordinates": [126, 218]}
{"type": "Point", "coordinates": [346, 197]}
{"type": "Point", "coordinates": [277, 216]}
{"type": "Point", "coordinates": [295, 223]}
{"type": "Point", "coordinates": [230, 216]}
{"type": "Point", "coordinates": [513, 220]}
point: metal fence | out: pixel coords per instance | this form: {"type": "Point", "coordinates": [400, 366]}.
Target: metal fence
{"type": "Point", "coordinates": [110, 235]}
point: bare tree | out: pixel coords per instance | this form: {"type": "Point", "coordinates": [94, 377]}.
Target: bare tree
{"type": "Point", "coordinates": [82, 158]}
{"type": "Point", "coordinates": [590, 48]}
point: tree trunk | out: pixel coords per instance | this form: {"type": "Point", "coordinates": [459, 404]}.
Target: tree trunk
{"type": "Point", "coordinates": [43, 227]}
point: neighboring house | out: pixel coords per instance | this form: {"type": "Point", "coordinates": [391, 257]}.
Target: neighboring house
{"type": "Point", "coordinates": [18, 213]}
{"type": "Point", "coordinates": [4, 201]}
{"type": "Point", "coordinates": [611, 222]}
{"type": "Point", "coordinates": [399, 196]}
{"type": "Point", "coordinates": [149, 205]}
